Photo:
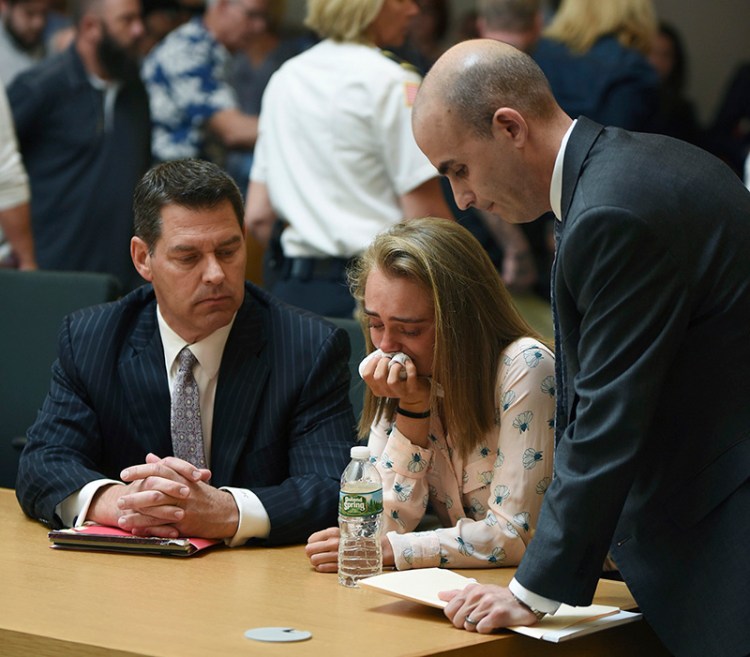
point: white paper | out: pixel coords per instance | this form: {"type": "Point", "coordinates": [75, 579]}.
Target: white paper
{"type": "Point", "coordinates": [423, 584]}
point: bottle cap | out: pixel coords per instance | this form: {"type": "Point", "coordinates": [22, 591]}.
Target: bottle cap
{"type": "Point", "coordinates": [360, 452]}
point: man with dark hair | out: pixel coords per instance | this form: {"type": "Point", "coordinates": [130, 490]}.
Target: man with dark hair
{"type": "Point", "coordinates": [197, 405]}
{"type": "Point", "coordinates": [21, 36]}
{"type": "Point", "coordinates": [651, 295]}
{"type": "Point", "coordinates": [83, 129]}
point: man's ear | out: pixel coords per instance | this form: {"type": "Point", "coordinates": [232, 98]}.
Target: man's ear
{"type": "Point", "coordinates": [141, 257]}
{"type": "Point", "coordinates": [509, 123]}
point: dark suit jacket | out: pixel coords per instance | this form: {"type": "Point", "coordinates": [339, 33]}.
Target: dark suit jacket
{"type": "Point", "coordinates": [282, 426]}
{"type": "Point", "coordinates": [652, 292]}
{"type": "Point", "coordinates": [609, 83]}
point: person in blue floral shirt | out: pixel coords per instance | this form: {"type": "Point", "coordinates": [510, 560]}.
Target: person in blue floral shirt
{"type": "Point", "coordinates": [194, 108]}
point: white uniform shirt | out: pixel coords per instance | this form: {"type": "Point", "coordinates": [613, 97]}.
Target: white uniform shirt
{"type": "Point", "coordinates": [14, 183]}
{"type": "Point", "coordinates": [336, 149]}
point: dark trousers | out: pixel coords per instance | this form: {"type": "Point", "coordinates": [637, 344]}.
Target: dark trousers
{"type": "Point", "coordinates": [327, 298]}
{"type": "Point", "coordinates": [315, 284]}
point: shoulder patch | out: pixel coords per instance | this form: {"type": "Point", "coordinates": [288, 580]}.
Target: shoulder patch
{"type": "Point", "coordinates": [410, 93]}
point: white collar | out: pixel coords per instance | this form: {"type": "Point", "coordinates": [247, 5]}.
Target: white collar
{"type": "Point", "coordinates": [555, 190]}
{"type": "Point", "coordinates": [207, 351]}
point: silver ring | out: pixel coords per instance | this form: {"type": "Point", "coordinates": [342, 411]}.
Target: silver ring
{"type": "Point", "coordinates": [470, 622]}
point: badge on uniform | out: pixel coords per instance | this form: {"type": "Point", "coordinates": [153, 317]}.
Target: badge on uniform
{"type": "Point", "coordinates": [410, 92]}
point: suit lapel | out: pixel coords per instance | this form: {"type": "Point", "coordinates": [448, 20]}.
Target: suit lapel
{"type": "Point", "coordinates": [146, 388]}
{"type": "Point", "coordinates": [581, 140]}
{"type": "Point", "coordinates": [242, 376]}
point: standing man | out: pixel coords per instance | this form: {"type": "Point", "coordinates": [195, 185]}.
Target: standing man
{"type": "Point", "coordinates": [193, 105]}
{"type": "Point", "coordinates": [197, 405]}
{"type": "Point", "coordinates": [21, 36]}
{"type": "Point", "coordinates": [651, 298]}
{"type": "Point", "coordinates": [83, 128]}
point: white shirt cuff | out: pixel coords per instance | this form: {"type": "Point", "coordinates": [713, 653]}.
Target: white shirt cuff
{"type": "Point", "coordinates": [533, 600]}
{"type": "Point", "coordinates": [254, 521]}
{"type": "Point", "coordinates": [73, 509]}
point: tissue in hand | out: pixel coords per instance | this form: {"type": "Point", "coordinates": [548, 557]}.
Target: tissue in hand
{"type": "Point", "coordinates": [395, 357]}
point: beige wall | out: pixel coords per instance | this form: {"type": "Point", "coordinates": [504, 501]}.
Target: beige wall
{"type": "Point", "coordinates": [716, 35]}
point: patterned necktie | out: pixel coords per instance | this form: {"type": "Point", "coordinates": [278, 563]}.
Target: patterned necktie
{"type": "Point", "coordinates": [187, 434]}
{"type": "Point", "coordinates": [561, 405]}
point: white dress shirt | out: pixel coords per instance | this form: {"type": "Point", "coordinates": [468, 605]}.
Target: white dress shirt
{"type": "Point", "coordinates": [335, 147]}
{"type": "Point", "coordinates": [254, 521]}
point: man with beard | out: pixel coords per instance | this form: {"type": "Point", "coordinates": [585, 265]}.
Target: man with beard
{"type": "Point", "coordinates": [21, 36]}
{"type": "Point", "coordinates": [83, 127]}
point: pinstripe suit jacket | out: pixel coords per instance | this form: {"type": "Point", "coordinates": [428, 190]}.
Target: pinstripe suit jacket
{"type": "Point", "coordinates": [282, 425]}
{"type": "Point", "coordinates": [652, 291]}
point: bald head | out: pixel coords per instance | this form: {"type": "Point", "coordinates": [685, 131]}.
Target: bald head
{"type": "Point", "coordinates": [474, 78]}
{"type": "Point", "coordinates": [486, 119]}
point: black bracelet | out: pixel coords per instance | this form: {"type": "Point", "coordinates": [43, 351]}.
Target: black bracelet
{"type": "Point", "coordinates": [412, 415]}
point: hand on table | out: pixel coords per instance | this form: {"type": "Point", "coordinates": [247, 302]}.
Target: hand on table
{"type": "Point", "coordinates": [323, 550]}
{"type": "Point", "coordinates": [167, 497]}
{"type": "Point", "coordinates": [487, 607]}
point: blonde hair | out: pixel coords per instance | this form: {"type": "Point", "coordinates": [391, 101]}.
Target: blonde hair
{"type": "Point", "coordinates": [580, 23]}
{"type": "Point", "coordinates": [342, 20]}
{"type": "Point", "coordinates": [475, 320]}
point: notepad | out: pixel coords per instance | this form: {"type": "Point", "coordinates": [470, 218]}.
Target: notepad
{"type": "Point", "coordinates": [112, 539]}
{"type": "Point", "coordinates": [422, 585]}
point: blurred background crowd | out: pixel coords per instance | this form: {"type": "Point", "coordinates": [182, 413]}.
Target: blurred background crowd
{"type": "Point", "coordinates": [99, 90]}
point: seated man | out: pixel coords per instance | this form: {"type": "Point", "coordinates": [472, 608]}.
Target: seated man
{"type": "Point", "coordinates": [270, 417]}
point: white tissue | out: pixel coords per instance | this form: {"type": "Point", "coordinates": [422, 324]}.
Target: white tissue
{"type": "Point", "coordinates": [395, 357]}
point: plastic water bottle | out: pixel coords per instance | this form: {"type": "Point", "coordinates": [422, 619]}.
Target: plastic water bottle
{"type": "Point", "coordinates": [360, 512]}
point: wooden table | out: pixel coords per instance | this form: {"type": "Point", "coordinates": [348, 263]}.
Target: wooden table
{"type": "Point", "coordinates": [55, 602]}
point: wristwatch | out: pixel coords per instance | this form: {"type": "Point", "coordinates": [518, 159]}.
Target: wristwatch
{"type": "Point", "coordinates": [539, 614]}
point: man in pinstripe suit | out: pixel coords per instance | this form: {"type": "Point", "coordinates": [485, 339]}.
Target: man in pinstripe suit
{"type": "Point", "coordinates": [276, 421]}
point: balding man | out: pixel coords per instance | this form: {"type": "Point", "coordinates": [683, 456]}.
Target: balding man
{"type": "Point", "coordinates": [651, 292]}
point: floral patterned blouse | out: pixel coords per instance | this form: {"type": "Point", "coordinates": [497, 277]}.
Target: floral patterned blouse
{"type": "Point", "coordinates": [488, 504]}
